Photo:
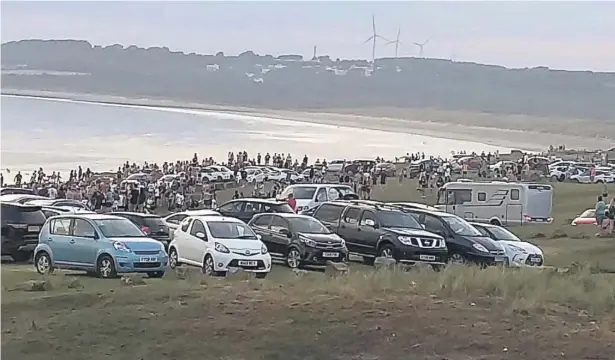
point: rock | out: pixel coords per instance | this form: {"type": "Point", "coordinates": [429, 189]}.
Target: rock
{"type": "Point", "coordinates": [181, 272]}
{"type": "Point", "coordinates": [74, 283]}
{"type": "Point", "coordinates": [132, 280]}
{"type": "Point", "coordinates": [384, 263]}
{"type": "Point", "coordinates": [235, 273]}
{"type": "Point", "coordinates": [299, 272]}
{"type": "Point", "coordinates": [334, 269]}
{"type": "Point", "coordinates": [38, 285]}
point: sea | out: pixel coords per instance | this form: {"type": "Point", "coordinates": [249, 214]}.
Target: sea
{"type": "Point", "coordinates": [60, 135]}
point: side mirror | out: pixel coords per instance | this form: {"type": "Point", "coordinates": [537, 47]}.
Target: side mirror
{"type": "Point", "coordinates": [370, 222]}
{"type": "Point", "coordinates": [200, 235]}
{"type": "Point", "coordinates": [258, 236]}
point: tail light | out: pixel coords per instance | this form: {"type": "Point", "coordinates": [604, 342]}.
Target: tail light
{"type": "Point", "coordinates": [146, 230]}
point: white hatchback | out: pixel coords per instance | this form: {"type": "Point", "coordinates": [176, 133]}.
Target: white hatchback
{"type": "Point", "coordinates": [217, 243]}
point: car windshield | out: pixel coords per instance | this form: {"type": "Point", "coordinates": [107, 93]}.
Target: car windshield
{"type": "Point", "coordinates": [303, 192]}
{"type": "Point", "coordinates": [118, 228]}
{"type": "Point", "coordinates": [591, 213]}
{"type": "Point", "coordinates": [230, 230]}
{"type": "Point", "coordinates": [308, 225]}
{"type": "Point", "coordinates": [344, 190]}
{"type": "Point", "coordinates": [503, 234]}
{"type": "Point", "coordinates": [460, 226]}
{"type": "Point", "coordinates": [398, 219]}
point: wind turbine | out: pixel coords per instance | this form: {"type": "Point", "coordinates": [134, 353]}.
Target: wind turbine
{"type": "Point", "coordinates": [373, 38]}
{"type": "Point", "coordinates": [421, 45]}
{"type": "Point", "coordinates": [396, 42]}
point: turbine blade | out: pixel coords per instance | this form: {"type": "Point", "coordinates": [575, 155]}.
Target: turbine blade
{"type": "Point", "coordinates": [374, 23]}
{"type": "Point", "coordinates": [426, 41]}
{"type": "Point", "coordinates": [370, 39]}
{"type": "Point", "coordinates": [382, 37]}
{"type": "Point", "coordinates": [417, 44]}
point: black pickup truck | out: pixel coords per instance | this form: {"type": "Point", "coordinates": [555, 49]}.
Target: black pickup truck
{"type": "Point", "coordinates": [373, 229]}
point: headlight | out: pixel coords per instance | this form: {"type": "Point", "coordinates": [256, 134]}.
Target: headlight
{"type": "Point", "coordinates": [406, 240]}
{"type": "Point", "coordinates": [263, 249]}
{"type": "Point", "coordinates": [308, 242]}
{"type": "Point", "coordinates": [479, 247]}
{"type": "Point", "coordinates": [120, 246]}
{"type": "Point", "coordinates": [517, 249]}
{"type": "Point", "coordinates": [221, 248]}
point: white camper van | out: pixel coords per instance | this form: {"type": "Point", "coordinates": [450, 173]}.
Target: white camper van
{"type": "Point", "coordinates": [498, 203]}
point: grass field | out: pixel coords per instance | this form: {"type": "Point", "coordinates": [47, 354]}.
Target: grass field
{"type": "Point", "coordinates": [459, 313]}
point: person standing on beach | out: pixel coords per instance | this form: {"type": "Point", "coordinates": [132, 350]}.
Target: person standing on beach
{"type": "Point", "coordinates": [600, 211]}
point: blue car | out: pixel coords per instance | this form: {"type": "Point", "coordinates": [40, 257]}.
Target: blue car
{"type": "Point", "coordinates": [97, 243]}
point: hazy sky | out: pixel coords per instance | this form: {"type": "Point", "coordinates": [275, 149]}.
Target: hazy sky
{"type": "Point", "coordinates": [564, 35]}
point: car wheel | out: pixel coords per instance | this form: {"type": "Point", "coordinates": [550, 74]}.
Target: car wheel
{"type": "Point", "coordinates": [599, 181]}
{"type": "Point", "coordinates": [293, 258]}
{"type": "Point", "coordinates": [43, 263]}
{"type": "Point", "coordinates": [206, 180]}
{"type": "Point", "coordinates": [21, 256]}
{"type": "Point", "coordinates": [457, 259]}
{"type": "Point", "coordinates": [208, 266]}
{"type": "Point", "coordinates": [576, 181]}
{"type": "Point", "coordinates": [495, 222]}
{"type": "Point", "coordinates": [105, 267]}
{"type": "Point", "coordinates": [386, 251]}
{"type": "Point", "coordinates": [260, 275]}
{"type": "Point", "coordinates": [554, 178]}
{"type": "Point", "coordinates": [155, 274]}
{"type": "Point", "coordinates": [173, 259]}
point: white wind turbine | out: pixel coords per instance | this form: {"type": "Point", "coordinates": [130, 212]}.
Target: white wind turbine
{"type": "Point", "coordinates": [373, 39]}
{"type": "Point", "coordinates": [421, 47]}
{"type": "Point", "coordinates": [396, 42]}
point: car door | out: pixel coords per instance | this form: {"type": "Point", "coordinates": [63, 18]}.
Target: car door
{"type": "Point", "coordinates": [198, 245]}
{"type": "Point", "coordinates": [182, 242]}
{"type": "Point", "coordinates": [59, 238]}
{"type": "Point", "coordinates": [232, 209]}
{"type": "Point", "coordinates": [367, 234]}
{"type": "Point", "coordinates": [280, 231]}
{"type": "Point", "coordinates": [349, 229]}
{"type": "Point", "coordinates": [262, 227]}
{"type": "Point", "coordinates": [83, 243]}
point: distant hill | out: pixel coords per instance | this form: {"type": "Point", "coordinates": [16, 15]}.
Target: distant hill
{"type": "Point", "coordinates": [289, 81]}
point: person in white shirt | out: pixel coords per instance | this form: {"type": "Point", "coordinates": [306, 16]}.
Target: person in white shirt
{"type": "Point", "coordinates": [179, 201]}
{"type": "Point", "coordinates": [53, 193]}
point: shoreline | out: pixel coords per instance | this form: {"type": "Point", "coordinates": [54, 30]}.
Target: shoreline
{"type": "Point", "coordinates": [508, 138]}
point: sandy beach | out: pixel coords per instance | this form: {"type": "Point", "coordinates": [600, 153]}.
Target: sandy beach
{"type": "Point", "coordinates": [519, 132]}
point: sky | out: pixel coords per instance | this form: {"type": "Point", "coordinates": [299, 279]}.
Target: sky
{"type": "Point", "coordinates": [560, 35]}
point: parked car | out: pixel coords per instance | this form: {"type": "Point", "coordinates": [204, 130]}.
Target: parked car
{"type": "Point", "coordinates": [336, 165]}
{"type": "Point", "coordinates": [309, 196]}
{"type": "Point", "coordinates": [465, 243]}
{"type": "Point", "coordinates": [173, 220]}
{"type": "Point", "coordinates": [378, 230]}
{"type": "Point", "coordinates": [16, 191]}
{"type": "Point", "coordinates": [388, 168]}
{"type": "Point", "coordinates": [244, 209]}
{"type": "Point", "coordinates": [21, 225]}
{"type": "Point", "coordinates": [218, 173]}
{"type": "Point", "coordinates": [21, 198]}
{"type": "Point", "coordinates": [152, 225]}
{"type": "Point", "coordinates": [255, 175]}
{"type": "Point", "coordinates": [601, 177]}
{"type": "Point", "coordinates": [103, 244]}
{"type": "Point", "coordinates": [216, 243]}
{"type": "Point", "coordinates": [298, 239]}
{"type": "Point", "coordinates": [50, 211]}
{"type": "Point", "coordinates": [58, 202]}
{"type": "Point", "coordinates": [587, 217]}
{"type": "Point", "coordinates": [520, 253]}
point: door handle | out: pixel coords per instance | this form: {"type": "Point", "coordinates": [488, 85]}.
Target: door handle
{"type": "Point", "coordinates": [50, 239]}
{"type": "Point", "coordinates": [72, 241]}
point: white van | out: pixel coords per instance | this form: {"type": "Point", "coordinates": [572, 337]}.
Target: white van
{"type": "Point", "coordinates": [309, 196]}
{"type": "Point", "coordinates": [497, 202]}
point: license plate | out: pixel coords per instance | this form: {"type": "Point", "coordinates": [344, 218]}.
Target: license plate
{"type": "Point", "coordinates": [535, 259]}
{"type": "Point", "coordinates": [427, 257]}
{"type": "Point", "coordinates": [330, 254]}
{"type": "Point", "coordinates": [34, 228]}
{"type": "Point", "coordinates": [247, 263]}
{"type": "Point", "coordinates": [148, 259]}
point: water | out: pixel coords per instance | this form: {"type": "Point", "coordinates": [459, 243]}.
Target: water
{"type": "Point", "coordinates": [60, 135]}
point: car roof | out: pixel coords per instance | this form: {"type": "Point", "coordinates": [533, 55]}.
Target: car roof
{"type": "Point", "coordinates": [120, 213]}
{"type": "Point", "coordinates": [16, 197]}
{"type": "Point", "coordinates": [272, 201]}
{"type": "Point", "coordinates": [474, 223]}
{"type": "Point", "coordinates": [92, 216]}
{"type": "Point", "coordinates": [284, 215]}
{"type": "Point", "coordinates": [200, 212]}
{"type": "Point", "coordinates": [431, 212]}
{"type": "Point", "coordinates": [207, 218]}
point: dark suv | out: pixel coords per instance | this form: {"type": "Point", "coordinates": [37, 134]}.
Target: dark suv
{"type": "Point", "coordinates": [373, 229]}
{"type": "Point", "coordinates": [21, 225]}
{"type": "Point", "coordinates": [465, 243]}
{"type": "Point", "coordinates": [298, 239]}
{"type": "Point", "coordinates": [245, 209]}
{"type": "Point", "coordinates": [152, 225]}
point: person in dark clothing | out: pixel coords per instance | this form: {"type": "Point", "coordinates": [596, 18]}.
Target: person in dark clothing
{"type": "Point", "coordinates": [97, 200]}
{"type": "Point", "coordinates": [134, 199]}
{"type": "Point", "coordinates": [383, 178]}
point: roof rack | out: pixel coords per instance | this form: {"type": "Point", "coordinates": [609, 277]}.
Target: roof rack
{"type": "Point", "coordinates": [379, 205]}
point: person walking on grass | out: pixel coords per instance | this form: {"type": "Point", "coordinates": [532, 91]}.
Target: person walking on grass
{"type": "Point", "coordinates": [610, 214]}
{"type": "Point", "coordinates": [600, 211]}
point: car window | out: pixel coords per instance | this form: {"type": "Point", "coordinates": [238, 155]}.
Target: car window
{"type": "Point", "coordinates": [252, 207]}
{"type": "Point", "coordinates": [262, 221]}
{"type": "Point", "coordinates": [233, 207]}
{"type": "Point", "coordinates": [176, 219]}
{"type": "Point", "coordinates": [482, 230]}
{"type": "Point", "coordinates": [185, 224]}
{"type": "Point", "coordinates": [82, 228]}
{"type": "Point", "coordinates": [60, 227]}
{"type": "Point", "coordinates": [278, 208]}
{"type": "Point", "coordinates": [329, 212]}
{"type": "Point", "coordinates": [119, 228]}
{"type": "Point", "coordinates": [368, 215]}
{"type": "Point", "coordinates": [321, 195]}
{"type": "Point", "coordinates": [433, 224]}
{"type": "Point", "coordinates": [197, 226]}
{"type": "Point", "coordinates": [352, 215]}
{"type": "Point", "coordinates": [514, 194]}
{"type": "Point", "coordinates": [278, 223]}
{"type": "Point", "coordinates": [50, 213]}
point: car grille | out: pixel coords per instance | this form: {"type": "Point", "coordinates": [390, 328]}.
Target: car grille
{"type": "Point", "coordinates": [259, 265]}
{"type": "Point", "coordinates": [243, 253]}
{"type": "Point", "coordinates": [322, 245]}
{"type": "Point", "coordinates": [529, 261]}
{"type": "Point", "coordinates": [146, 265]}
{"type": "Point", "coordinates": [497, 252]}
{"type": "Point", "coordinates": [148, 252]}
{"type": "Point", "coordinates": [430, 243]}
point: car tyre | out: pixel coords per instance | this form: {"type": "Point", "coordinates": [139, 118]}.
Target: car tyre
{"type": "Point", "coordinates": [293, 258]}
{"type": "Point", "coordinates": [173, 259]}
{"type": "Point", "coordinates": [21, 256]}
{"type": "Point", "coordinates": [495, 222]}
{"type": "Point", "coordinates": [209, 267]}
{"type": "Point", "coordinates": [457, 259]}
{"type": "Point", "coordinates": [387, 251]}
{"type": "Point", "coordinates": [42, 262]}
{"type": "Point", "coordinates": [105, 267]}
{"type": "Point", "coordinates": [155, 274]}
{"type": "Point", "coordinates": [554, 178]}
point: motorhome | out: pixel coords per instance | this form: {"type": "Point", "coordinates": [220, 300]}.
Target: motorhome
{"type": "Point", "coordinates": [497, 202]}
